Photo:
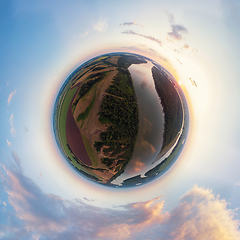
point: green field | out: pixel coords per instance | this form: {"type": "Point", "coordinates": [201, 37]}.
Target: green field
{"type": "Point", "coordinates": [82, 116]}
{"type": "Point", "coordinates": [66, 99]}
{"type": "Point", "coordinates": [63, 117]}
{"type": "Point", "coordinates": [90, 152]}
{"type": "Point", "coordinates": [110, 142]}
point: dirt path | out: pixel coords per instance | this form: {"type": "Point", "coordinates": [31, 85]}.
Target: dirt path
{"type": "Point", "coordinates": [74, 138]}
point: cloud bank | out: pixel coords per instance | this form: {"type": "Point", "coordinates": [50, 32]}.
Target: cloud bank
{"type": "Point", "coordinates": [29, 213]}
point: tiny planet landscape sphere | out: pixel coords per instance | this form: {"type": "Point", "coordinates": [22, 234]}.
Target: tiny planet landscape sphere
{"type": "Point", "coordinates": [121, 120]}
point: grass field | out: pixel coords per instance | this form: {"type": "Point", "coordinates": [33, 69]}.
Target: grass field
{"type": "Point", "coordinates": [82, 116]}
{"type": "Point", "coordinates": [65, 100]}
{"type": "Point", "coordinates": [90, 152]}
{"type": "Point", "coordinates": [120, 110]}
{"type": "Point", "coordinates": [63, 116]}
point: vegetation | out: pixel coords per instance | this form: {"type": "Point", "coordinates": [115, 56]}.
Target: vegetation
{"type": "Point", "coordinates": [79, 166]}
{"type": "Point", "coordinates": [164, 165]}
{"type": "Point", "coordinates": [172, 107]}
{"type": "Point", "coordinates": [107, 161]}
{"type": "Point", "coordinates": [83, 115]}
{"type": "Point", "coordinates": [78, 75]}
{"type": "Point", "coordinates": [125, 61]}
{"type": "Point", "coordinates": [88, 85]}
{"type": "Point", "coordinates": [119, 110]}
{"type": "Point", "coordinates": [169, 161]}
{"type": "Point", "coordinates": [63, 109]}
{"type": "Point", "coordinates": [99, 68]}
{"type": "Point", "coordinates": [159, 169]}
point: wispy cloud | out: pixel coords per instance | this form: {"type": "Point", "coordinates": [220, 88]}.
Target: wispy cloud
{"type": "Point", "coordinates": [101, 25]}
{"type": "Point", "coordinates": [85, 34]}
{"type": "Point", "coordinates": [13, 131]}
{"type": "Point", "coordinates": [16, 159]}
{"type": "Point", "coordinates": [33, 214]}
{"type": "Point", "coordinates": [9, 143]}
{"type": "Point", "coordinates": [131, 23]}
{"type": "Point", "coordinates": [11, 96]}
{"type": "Point", "coordinates": [142, 35]}
{"type": "Point", "coordinates": [177, 30]}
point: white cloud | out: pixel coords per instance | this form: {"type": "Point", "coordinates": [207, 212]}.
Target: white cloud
{"type": "Point", "coordinates": [199, 215]}
{"type": "Point", "coordinates": [9, 143]}
{"type": "Point", "coordinates": [101, 25]}
{"type": "Point", "coordinates": [13, 131]}
{"type": "Point", "coordinates": [11, 96]}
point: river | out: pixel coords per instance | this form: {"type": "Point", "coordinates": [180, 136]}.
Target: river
{"type": "Point", "coordinates": [151, 120]}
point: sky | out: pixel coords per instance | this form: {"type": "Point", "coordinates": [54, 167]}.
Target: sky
{"type": "Point", "coordinates": [42, 42]}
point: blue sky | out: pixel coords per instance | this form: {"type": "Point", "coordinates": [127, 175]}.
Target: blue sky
{"type": "Point", "coordinates": [42, 42]}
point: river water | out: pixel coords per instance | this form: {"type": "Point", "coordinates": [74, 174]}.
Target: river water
{"type": "Point", "coordinates": [151, 120]}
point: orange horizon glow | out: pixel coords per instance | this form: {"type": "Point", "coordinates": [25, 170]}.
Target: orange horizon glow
{"type": "Point", "coordinates": [60, 164]}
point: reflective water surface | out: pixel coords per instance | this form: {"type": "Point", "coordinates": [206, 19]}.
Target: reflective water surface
{"type": "Point", "coordinates": [121, 120]}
